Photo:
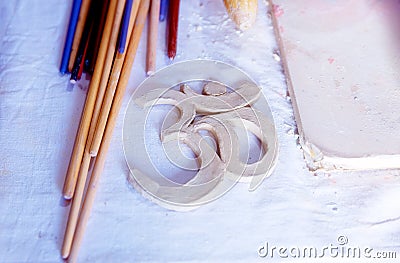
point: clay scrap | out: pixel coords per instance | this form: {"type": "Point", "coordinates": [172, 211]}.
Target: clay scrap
{"type": "Point", "coordinates": [342, 63]}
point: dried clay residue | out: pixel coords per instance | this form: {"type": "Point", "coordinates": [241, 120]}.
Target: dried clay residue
{"type": "Point", "coordinates": [278, 11]}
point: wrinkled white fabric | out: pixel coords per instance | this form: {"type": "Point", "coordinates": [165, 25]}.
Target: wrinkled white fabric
{"type": "Point", "coordinates": [39, 116]}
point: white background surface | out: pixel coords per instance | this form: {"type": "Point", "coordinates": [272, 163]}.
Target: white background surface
{"type": "Point", "coordinates": [39, 116]}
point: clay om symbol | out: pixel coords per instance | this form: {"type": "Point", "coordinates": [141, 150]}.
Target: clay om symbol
{"type": "Point", "coordinates": [219, 112]}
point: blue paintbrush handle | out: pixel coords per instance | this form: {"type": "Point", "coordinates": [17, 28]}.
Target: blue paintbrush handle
{"type": "Point", "coordinates": [123, 33]}
{"type": "Point", "coordinates": [76, 6]}
{"type": "Point", "coordinates": [163, 9]}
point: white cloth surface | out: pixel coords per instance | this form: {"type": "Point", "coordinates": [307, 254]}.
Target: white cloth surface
{"type": "Point", "coordinates": [39, 116]}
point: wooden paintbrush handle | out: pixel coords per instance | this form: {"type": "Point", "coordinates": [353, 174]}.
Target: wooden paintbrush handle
{"type": "Point", "coordinates": [75, 207]}
{"type": "Point", "coordinates": [83, 13]}
{"type": "Point", "coordinates": [152, 37]}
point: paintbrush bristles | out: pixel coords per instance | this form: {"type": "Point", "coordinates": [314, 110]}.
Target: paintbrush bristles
{"type": "Point", "coordinates": [242, 12]}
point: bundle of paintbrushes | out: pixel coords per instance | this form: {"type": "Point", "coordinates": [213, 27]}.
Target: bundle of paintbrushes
{"type": "Point", "coordinates": [86, 28]}
{"type": "Point", "coordinates": [102, 40]}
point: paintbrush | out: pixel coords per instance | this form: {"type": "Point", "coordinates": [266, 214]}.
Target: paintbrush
{"type": "Point", "coordinates": [242, 12]}
{"type": "Point", "coordinates": [77, 69]}
{"type": "Point", "coordinates": [95, 37]}
{"type": "Point", "coordinates": [152, 37]}
{"type": "Point", "coordinates": [73, 21]}
{"type": "Point", "coordinates": [173, 19]}
{"type": "Point", "coordinates": [83, 13]}
{"type": "Point", "coordinates": [163, 9]}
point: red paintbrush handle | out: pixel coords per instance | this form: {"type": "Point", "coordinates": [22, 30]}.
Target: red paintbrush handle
{"type": "Point", "coordinates": [173, 19]}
